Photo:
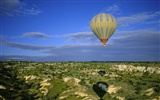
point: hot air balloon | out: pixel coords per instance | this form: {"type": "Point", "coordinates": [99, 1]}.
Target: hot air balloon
{"type": "Point", "coordinates": [103, 26]}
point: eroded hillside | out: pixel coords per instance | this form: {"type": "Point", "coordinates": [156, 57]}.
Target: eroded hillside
{"type": "Point", "coordinates": [75, 80]}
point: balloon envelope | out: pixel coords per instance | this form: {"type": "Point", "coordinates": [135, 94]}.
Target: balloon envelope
{"type": "Point", "coordinates": [103, 26]}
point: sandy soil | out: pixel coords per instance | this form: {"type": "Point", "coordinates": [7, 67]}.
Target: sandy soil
{"type": "Point", "coordinates": [113, 89]}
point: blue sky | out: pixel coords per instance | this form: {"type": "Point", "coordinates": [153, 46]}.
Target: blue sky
{"type": "Point", "coordinates": [56, 30]}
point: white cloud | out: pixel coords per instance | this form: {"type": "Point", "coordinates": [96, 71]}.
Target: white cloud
{"type": "Point", "coordinates": [123, 50]}
{"type": "Point", "coordinates": [126, 45]}
{"type": "Point", "coordinates": [71, 38]}
{"type": "Point", "coordinates": [23, 45]}
{"type": "Point", "coordinates": [81, 36]}
{"type": "Point", "coordinates": [31, 11]}
{"type": "Point", "coordinates": [154, 22]}
{"type": "Point", "coordinates": [17, 8]}
{"type": "Point", "coordinates": [36, 35]}
{"type": "Point", "coordinates": [144, 36]}
{"type": "Point", "coordinates": [141, 18]}
{"type": "Point", "coordinates": [114, 9]}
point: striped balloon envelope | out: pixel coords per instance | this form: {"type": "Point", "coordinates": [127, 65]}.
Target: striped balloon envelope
{"type": "Point", "coordinates": [103, 26]}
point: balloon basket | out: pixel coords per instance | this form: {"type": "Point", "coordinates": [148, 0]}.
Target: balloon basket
{"type": "Point", "coordinates": [103, 45]}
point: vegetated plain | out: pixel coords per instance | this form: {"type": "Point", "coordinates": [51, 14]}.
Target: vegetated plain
{"type": "Point", "coordinates": [24, 80]}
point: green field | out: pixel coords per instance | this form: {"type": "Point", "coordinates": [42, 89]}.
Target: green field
{"type": "Point", "coordinates": [74, 80]}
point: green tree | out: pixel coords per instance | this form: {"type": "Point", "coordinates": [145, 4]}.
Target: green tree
{"type": "Point", "coordinates": [14, 88]}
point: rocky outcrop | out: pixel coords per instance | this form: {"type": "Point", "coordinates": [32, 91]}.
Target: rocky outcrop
{"type": "Point", "coordinates": [131, 68]}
